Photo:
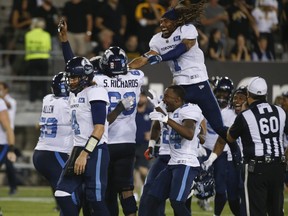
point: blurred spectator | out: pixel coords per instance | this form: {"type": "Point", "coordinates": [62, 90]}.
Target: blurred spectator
{"type": "Point", "coordinates": [267, 22]}
{"type": "Point", "coordinates": [37, 47]}
{"type": "Point", "coordinates": [261, 51]}
{"type": "Point", "coordinates": [130, 7]}
{"type": "Point", "coordinates": [112, 16]}
{"type": "Point", "coordinates": [215, 17]}
{"type": "Point", "coordinates": [240, 51]}
{"type": "Point", "coordinates": [143, 123]}
{"type": "Point", "coordinates": [21, 17]}
{"type": "Point", "coordinates": [51, 16]}
{"type": "Point", "coordinates": [148, 15]}
{"type": "Point", "coordinates": [284, 25]}
{"type": "Point", "coordinates": [80, 24]}
{"type": "Point", "coordinates": [12, 107]}
{"type": "Point", "coordinates": [240, 20]}
{"type": "Point", "coordinates": [131, 47]}
{"type": "Point", "coordinates": [105, 40]}
{"type": "Point", "coordinates": [215, 46]}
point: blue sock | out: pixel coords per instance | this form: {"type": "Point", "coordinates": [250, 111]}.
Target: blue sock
{"type": "Point", "coordinates": [235, 206]}
{"type": "Point", "coordinates": [99, 208]}
{"type": "Point", "coordinates": [180, 208]}
{"type": "Point", "coordinates": [219, 203]}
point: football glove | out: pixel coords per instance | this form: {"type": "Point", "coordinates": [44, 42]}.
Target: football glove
{"type": "Point", "coordinates": [208, 163]}
{"type": "Point", "coordinates": [158, 116]}
{"type": "Point", "coordinates": [201, 151]}
{"type": "Point", "coordinates": [128, 102]}
{"type": "Point", "coordinates": [148, 154]}
{"type": "Point", "coordinates": [154, 59]}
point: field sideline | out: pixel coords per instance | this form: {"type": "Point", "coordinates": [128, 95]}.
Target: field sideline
{"type": "Point", "coordinates": [35, 201]}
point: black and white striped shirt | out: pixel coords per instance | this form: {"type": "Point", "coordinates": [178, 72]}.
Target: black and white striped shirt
{"type": "Point", "coordinates": [261, 129]}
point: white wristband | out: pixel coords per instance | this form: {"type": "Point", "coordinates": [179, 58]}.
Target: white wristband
{"type": "Point", "coordinates": [151, 143]}
{"type": "Point", "coordinates": [91, 144]}
{"type": "Point", "coordinates": [213, 156]}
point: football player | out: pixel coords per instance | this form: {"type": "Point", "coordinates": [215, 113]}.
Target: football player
{"type": "Point", "coordinates": [55, 140]}
{"type": "Point", "coordinates": [88, 162]}
{"type": "Point", "coordinates": [225, 173]}
{"type": "Point", "coordinates": [177, 45]}
{"type": "Point", "coordinates": [7, 137]}
{"type": "Point", "coordinates": [123, 88]}
{"type": "Point", "coordinates": [183, 123]}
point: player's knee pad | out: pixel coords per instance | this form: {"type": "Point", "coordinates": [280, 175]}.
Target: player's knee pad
{"type": "Point", "coordinates": [59, 193]}
{"type": "Point", "coordinates": [129, 204]}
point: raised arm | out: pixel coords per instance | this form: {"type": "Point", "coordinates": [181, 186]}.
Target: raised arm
{"type": "Point", "coordinates": [66, 48]}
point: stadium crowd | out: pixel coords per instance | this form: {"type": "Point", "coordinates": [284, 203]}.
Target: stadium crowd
{"type": "Point", "coordinates": [239, 30]}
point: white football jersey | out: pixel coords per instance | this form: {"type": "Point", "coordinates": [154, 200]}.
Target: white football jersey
{"type": "Point", "coordinates": [123, 129]}
{"type": "Point", "coordinates": [164, 140]}
{"type": "Point", "coordinates": [55, 125]}
{"type": "Point", "coordinates": [12, 109]}
{"type": "Point", "coordinates": [189, 68]}
{"type": "Point", "coordinates": [3, 137]}
{"type": "Point", "coordinates": [228, 116]}
{"type": "Point", "coordinates": [81, 116]}
{"type": "Point", "coordinates": [185, 151]}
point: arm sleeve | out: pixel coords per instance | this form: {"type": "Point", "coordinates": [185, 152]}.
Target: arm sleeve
{"type": "Point", "coordinates": [237, 127]}
{"type": "Point", "coordinates": [98, 110]}
{"type": "Point", "coordinates": [67, 51]}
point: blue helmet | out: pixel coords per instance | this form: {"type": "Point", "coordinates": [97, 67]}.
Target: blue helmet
{"type": "Point", "coordinates": [225, 85]}
{"type": "Point", "coordinates": [81, 68]}
{"type": "Point", "coordinates": [114, 62]}
{"type": "Point", "coordinates": [204, 184]}
{"type": "Point", "coordinates": [59, 85]}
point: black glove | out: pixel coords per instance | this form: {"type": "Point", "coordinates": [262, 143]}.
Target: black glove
{"type": "Point", "coordinates": [236, 154]}
{"type": "Point", "coordinates": [69, 168]}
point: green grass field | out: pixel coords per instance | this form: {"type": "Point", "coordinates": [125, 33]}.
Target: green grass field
{"type": "Point", "coordinates": [35, 201]}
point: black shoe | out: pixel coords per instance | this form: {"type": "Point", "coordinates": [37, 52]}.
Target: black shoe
{"type": "Point", "coordinates": [13, 191]}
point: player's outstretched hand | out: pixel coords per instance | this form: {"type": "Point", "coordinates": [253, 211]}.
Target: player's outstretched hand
{"type": "Point", "coordinates": [154, 59]}
{"type": "Point", "coordinates": [62, 30]}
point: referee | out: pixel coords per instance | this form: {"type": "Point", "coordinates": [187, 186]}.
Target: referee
{"type": "Point", "coordinates": [261, 129]}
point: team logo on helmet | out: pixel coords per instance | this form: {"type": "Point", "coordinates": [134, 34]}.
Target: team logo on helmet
{"type": "Point", "coordinates": [88, 67]}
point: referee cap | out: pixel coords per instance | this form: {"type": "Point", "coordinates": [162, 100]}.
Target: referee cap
{"type": "Point", "coordinates": [257, 86]}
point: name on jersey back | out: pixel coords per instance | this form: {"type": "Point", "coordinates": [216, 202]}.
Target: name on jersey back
{"type": "Point", "coordinates": [119, 83]}
{"type": "Point", "coordinates": [48, 109]}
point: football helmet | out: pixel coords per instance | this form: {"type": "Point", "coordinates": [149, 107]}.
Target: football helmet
{"type": "Point", "coordinates": [81, 68]}
{"type": "Point", "coordinates": [59, 85]}
{"type": "Point", "coordinates": [223, 90]}
{"type": "Point", "coordinates": [114, 62]}
{"type": "Point", "coordinates": [241, 90]}
{"type": "Point", "coordinates": [204, 184]}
